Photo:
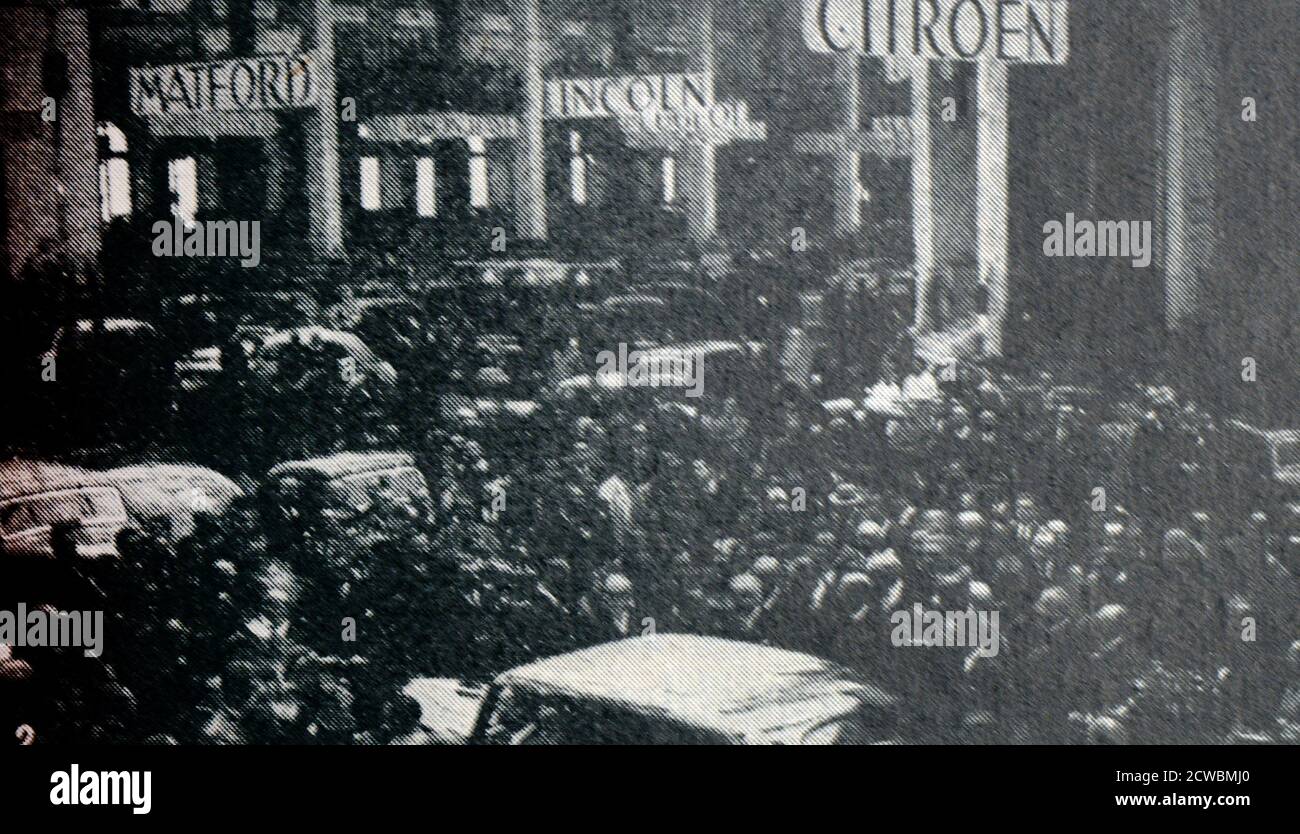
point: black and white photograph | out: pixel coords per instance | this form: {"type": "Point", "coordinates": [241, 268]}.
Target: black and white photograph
{"type": "Point", "coordinates": [650, 372]}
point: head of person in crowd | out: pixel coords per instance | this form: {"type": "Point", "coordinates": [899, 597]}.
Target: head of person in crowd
{"type": "Point", "coordinates": [767, 569]}
{"type": "Point", "coordinates": [970, 524]}
{"type": "Point", "coordinates": [1054, 607]}
{"type": "Point", "coordinates": [12, 669]}
{"type": "Point", "coordinates": [871, 535]}
{"type": "Point", "coordinates": [400, 719]}
{"type": "Point", "coordinates": [726, 552]}
{"type": "Point", "coordinates": [746, 592]}
{"type": "Point", "coordinates": [617, 591]}
{"type": "Point", "coordinates": [882, 576]}
{"type": "Point", "coordinates": [1291, 554]}
{"type": "Point", "coordinates": [1026, 513]}
{"type": "Point", "coordinates": [1180, 552]}
{"type": "Point", "coordinates": [1046, 555]}
{"type": "Point", "coordinates": [1110, 555]}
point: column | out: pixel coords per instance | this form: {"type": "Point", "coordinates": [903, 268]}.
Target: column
{"type": "Point", "coordinates": [698, 179]}
{"type": "Point", "coordinates": [922, 193]}
{"type": "Point", "coordinates": [991, 196]}
{"type": "Point", "coordinates": [78, 150]}
{"type": "Point", "coordinates": [528, 183]}
{"type": "Point", "coordinates": [846, 163]}
{"type": "Point", "coordinates": [1190, 160]}
{"type": "Point", "coordinates": [324, 211]}
{"type": "Point", "coordinates": [273, 155]}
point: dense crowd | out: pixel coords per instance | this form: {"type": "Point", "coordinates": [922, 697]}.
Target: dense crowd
{"type": "Point", "coordinates": [1159, 611]}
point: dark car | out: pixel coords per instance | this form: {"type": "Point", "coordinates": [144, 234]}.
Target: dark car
{"type": "Point", "coordinates": [336, 500]}
{"type": "Point", "coordinates": [107, 379]}
{"type": "Point", "coordinates": [1260, 470]}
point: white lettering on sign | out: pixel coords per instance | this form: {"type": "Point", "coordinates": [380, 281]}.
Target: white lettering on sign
{"type": "Point", "coordinates": [240, 85]}
{"type": "Point", "coordinates": [1009, 31]}
{"type": "Point", "coordinates": [630, 95]}
{"type": "Point", "coordinates": [720, 123]}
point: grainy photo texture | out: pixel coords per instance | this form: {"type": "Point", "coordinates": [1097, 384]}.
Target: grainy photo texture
{"type": "Point", "coordinates": [648, 372]}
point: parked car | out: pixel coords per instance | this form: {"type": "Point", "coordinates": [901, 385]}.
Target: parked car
{"type": "Point", "coordinates": [1260, 470]}
{"type": "Point", "coordinates": [37, 496]}
{"type": "Point", "coordinates": [108, 381]}
{"type": "Point", "coordinates": [695, 373]}
{"type": "Point", "coordinates": [662, 689]}
{"type": "Point", "coordinates": [343, 498]}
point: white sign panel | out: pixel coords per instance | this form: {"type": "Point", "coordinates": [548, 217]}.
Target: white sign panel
{"type": "Point", "coordinates": [721, 123]}
{"type": "Point", "coordinates": [629, 95]}
{"type": "Point", "coordinates": [1008, 31]}
{"type": "Point", "coordinates": [238, 85]}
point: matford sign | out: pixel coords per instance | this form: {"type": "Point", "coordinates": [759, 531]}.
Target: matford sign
{"type": "Point", "coordinates": [238, 85]}
{"type": "Point", "coordinates": [1007, 31]}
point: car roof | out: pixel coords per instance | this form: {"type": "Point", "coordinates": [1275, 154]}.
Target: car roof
{"type": "Point", "coordinates": [749, 693]}
{"type": "Point", "coordinates": [20, 477]}
{"type": "Point", "coordinates": [344, 464]}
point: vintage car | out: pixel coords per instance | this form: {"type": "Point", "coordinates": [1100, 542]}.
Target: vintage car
{"type": "Point", "coordinates": [1261, 468]}
{"type": "Point", "coordinates": [348, 497]}
{"type": "Point", "coordinates": [661, 689]}
{"type": "Point", "coordinates": [37, 496]}
{"type": "Point", "coordinates": [694, 373]}
{"type": "Point", "coordinates": [110, 379]}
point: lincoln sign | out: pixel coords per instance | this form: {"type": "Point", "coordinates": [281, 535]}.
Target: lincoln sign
{"type": "Point", "coordinates": [1006, 31]}
{"type": "Point", "coordinates": [240, 85]}
{"type": "Point", "coordinates": [628, 95]}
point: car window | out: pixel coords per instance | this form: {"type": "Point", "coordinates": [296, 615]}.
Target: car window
{"type": "Point", "coordinates": [525, 720]}
{"type": "Point", "coordinates": [357, 492]}
{"type": "Point", "coordinates": [89, 505]}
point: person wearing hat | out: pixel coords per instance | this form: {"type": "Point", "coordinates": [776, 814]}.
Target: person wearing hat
{"type": "Point", "coordinates": [863, 601]}
{"type": "Point", "coordinates": [1288, 717]}
{"type": "Point", "coordinates": [846, 502]}
{"type": "Point", "coordinates": [609, 609]}
{"type": "Point", "coordinates": [736, 618]}
{"type": "Point", "coordinates": [1048, 662]}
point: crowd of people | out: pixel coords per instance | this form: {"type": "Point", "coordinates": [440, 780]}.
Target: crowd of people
{"type": "Point", "coordinates": [1137, 603]}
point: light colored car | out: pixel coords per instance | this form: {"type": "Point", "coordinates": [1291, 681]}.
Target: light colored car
{"type": "Point", "coordinates": [37, 496]}
{"type": "Point", "coordinates": [661, 689]}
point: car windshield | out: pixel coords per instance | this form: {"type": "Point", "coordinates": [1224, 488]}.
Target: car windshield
{"type": "Point", "coordinates": [89, 505]}
{"type": "Point", "coordinates": [357, 492]}
{"type": "Point", "coordinates": [521, 720]}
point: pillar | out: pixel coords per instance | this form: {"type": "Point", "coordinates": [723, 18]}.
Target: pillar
{"type": "Point", "coordinates": [324, 210]}
{"type": "Point", "coordinates": [529, 157]}
{"type": "Point", "coordinates": [991, 196]}
{"type": "Point", "coordinates": [78, 147]}
{"type": "Point", "coordinates": [922, 193]}
{"type": "Point", "coordinates": [698, 174]}
{"type": "Point", "coordinates": [846, 164]}
{"type": "Point", "coordinates": [1189, 182]}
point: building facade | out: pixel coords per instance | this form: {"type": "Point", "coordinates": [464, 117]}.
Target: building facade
{"type": "Point", "coordinates": [450, 129]}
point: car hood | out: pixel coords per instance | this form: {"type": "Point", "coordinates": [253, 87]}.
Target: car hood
{"type": "Point", "coordinates": [448, 708]}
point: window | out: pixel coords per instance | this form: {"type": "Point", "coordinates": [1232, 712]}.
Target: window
{"type": "Point", "coordinates": [370, 194]}
{"type": "Point", "coordinates": [426, 187]}
{"type": "Point", "coordinates": [182, 182]}
{"type": "Point", "coordinates": [670, 180]}
{"type": "Point", "coordinates": [577, 170]}
{"type": "Point", "coordinates": [478, 172]}
{"type": "Point", "coordinates": [114, 188]}
{"type": "Point", "coordinates": [581, 173]}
